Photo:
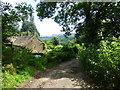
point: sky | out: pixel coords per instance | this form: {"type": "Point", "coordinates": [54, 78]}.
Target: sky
{"type": "Point", "coordinates": [47, 27]}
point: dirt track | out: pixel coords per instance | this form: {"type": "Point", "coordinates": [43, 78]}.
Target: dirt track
{"type": "Point", "coordinates": [65, 75]}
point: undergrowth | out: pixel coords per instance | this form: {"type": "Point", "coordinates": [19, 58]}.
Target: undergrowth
{"type": "Point", "coordinates": [20, 64]}
{"type": "Point", "coordinates": [103, 63]}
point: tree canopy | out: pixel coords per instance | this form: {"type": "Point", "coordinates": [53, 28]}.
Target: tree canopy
{"type": "Point", "coordinates": [100, 19]}
{"type": "Point", "coordinates": [11, 16]}
{"type": "Point", "coordinates": [55, 41]}
{"type": "Point", "coordinates": [25, 11]}
{"type": "Point", "coordinates": [29, 26]}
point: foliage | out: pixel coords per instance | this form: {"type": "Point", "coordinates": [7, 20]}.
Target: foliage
{"type": "Point", "coordinates": [55, 41]}
{"type": "Point", "coordinates": [49, 45]}
{"type": "Point", "coordinates": [16, 60]}
{"type": "Point", "coordinates": [19, 64]}
{"type": "Point", "coordinates": [62, 39]}
{"type": "Point", "coordinates": [11, 16]}
{"type": "Point", "coordinates": [62, 53]}
{"type": "Point", "coordinates": [14, 80]}
{"type": "Point", "coordinates": [16, 55]}
{"type": "Point", "coordinates": [24, 11]}
{"type": "Point", "coordinates": [46, 6]}
{"type": "Point", "coordinates": [100, 19]}
{"type": "Point", "coordinates": [100, 53]}
{"type": "Point", "coordinates": [29, 26]}
{"type": "Point", "coordinates": [9, 19]}
{"type": "Point", "coordinates": [67, 40]}
{"type": "Point", "coordinates": [16, 66]}
{"type": "Point", "coordinates": [103, 63]}
{"type": "Point", "coordinates": [6, 54]}
{"type": "Point", "coordinates": [55, 56]}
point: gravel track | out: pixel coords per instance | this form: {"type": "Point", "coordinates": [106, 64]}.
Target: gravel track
{"type": "Point", "coordinates": [68, 74]}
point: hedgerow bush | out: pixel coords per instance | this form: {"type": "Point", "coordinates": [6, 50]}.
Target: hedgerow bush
{"type": "Point", "coordinates": [103, 63]}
